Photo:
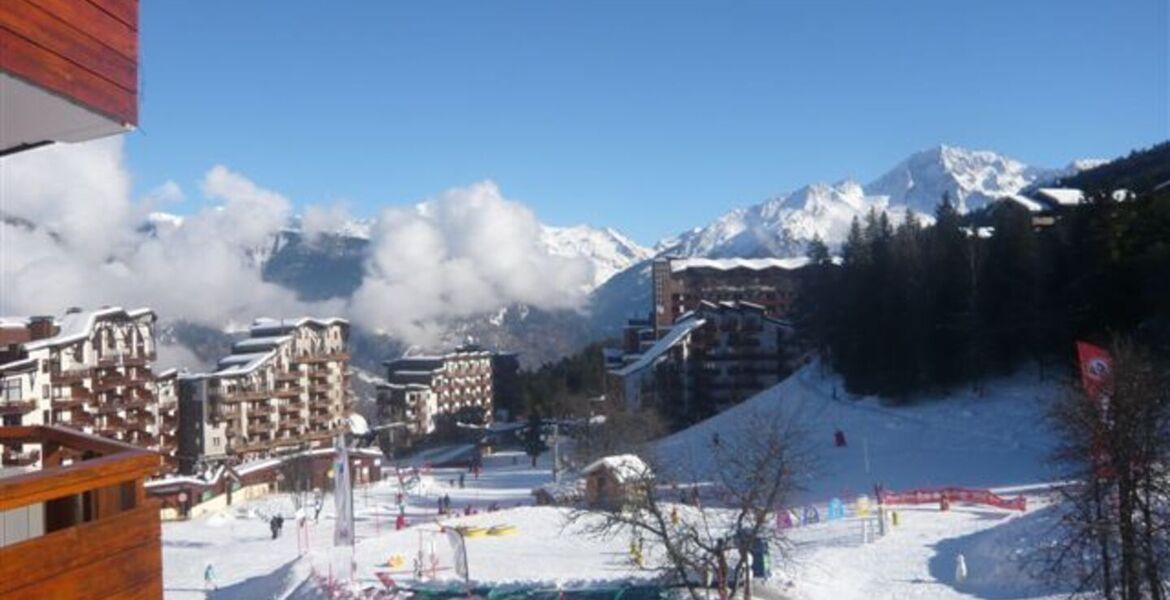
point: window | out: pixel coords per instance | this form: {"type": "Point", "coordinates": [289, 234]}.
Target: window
{"type": "Point", "coordinates": [11, 390]}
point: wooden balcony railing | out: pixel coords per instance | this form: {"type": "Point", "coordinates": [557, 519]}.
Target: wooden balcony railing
{"type": "Point", "coordinates": [100, 536]}
{"type": "Point", "coordinates": [17, 407]}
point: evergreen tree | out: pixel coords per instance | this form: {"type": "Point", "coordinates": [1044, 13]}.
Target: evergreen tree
{"type": "Point", "coordinates": [534, 444]}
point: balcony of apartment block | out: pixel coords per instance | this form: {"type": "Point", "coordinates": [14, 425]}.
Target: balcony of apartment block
{"type": "Point", "coordinates": [291, 391]}
{"type": "Point", "coordinates": [139, 359]}
{"type": "Point", "coordinates": [286, 376]}
{"type": "Point", "coordinates": [80, 528]}
{"type": "Point", "coordinates": [16, 406]}
{"type": "Point", "coordinates": [245, 395]}
{"type": "Point", "coordinates": [320, 418]}
{"type": "Point", "coordinates": [259, 409]}
{"type": "Point", "coordinates": [69, 376]}
{"type": "Point", "coordinates": [110, 427]}
{"type": "Point", "coordinates": [322, 388]}
{"type": "Point", "coordinates": [142, 439]}
{"type": "Point", "coordinates": [257, 445]}
{"type": "Point", "coordinates": [257, 426]}
{"type": "Point", "coordinates": [312, 359]}
{"type": "Point", "coordinates": [291, 423]}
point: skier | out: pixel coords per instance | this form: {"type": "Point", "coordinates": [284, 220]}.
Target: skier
{"type": "Point", "coordinates": [400, 522]}
{"type": "Point", "coordinates": [275, 524]}
{"type": "Point", "coordinates": [461, 481]}
{"type": "Point", "coordinates": [715, 438]}
{"type": "Point", "coordinates": [839, 439]}
{"type": "Point", "coordinates": [960, 569]}
{"type": "Point", "coordinates": [320, 503]}
{"type": "Point", "coordinates": [209, 578]}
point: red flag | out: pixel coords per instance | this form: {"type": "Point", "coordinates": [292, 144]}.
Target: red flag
{"type": "Point", "coordinates": [1096, 365]}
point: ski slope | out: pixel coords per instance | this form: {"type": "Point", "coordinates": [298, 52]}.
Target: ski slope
{"type": "Point", "coordinates": [965, 439]}
{"type": "Point", "coordinates": [988, 439]}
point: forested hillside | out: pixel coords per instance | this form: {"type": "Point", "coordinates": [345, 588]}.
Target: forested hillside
{"type": "Point", "coordinates": [917, 307]}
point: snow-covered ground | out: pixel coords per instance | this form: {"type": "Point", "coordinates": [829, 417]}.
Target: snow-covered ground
{"type": "Point", "coordinates": [969, 439]}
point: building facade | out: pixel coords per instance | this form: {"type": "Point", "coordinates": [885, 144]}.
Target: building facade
{"type": "Point", "coordinates": [423, 393]}
{"type": "Point", "coordinates": [87, 370]}
{"type": "Point", "coordinates": [712, 358]}
{"type": "Point", "coordinates": [283, 389]}
{"type": "Point", "coordinates": [680, 284]}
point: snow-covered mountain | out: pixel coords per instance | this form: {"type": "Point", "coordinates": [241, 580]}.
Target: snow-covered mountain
{"type": "Point", "coordinates": [783, 226]}
{"type": "Point", "coordinates": [608, 250]}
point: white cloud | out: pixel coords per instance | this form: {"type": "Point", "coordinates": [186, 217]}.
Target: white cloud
{"type": "Point", "coordinates": [466, 251]}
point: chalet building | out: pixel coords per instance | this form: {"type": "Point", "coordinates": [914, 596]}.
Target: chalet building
{"type": "Point", "coordinates": [678, 285]}
{"type": "Point", "coordinates": [87, 370]}
{"type": "Point", "coordinates": [615, 481]}
{"type": "Point", "coordinates": [710, 359]}
{"type": "Point", "coordinates": [284, 388]}
{"type": "Point", "coordinates": [422, 393]}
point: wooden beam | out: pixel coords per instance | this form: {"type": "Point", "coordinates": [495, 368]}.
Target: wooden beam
{"type": "Point", "coordinates": [44, 29]}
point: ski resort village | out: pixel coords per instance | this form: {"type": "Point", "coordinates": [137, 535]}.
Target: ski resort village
{"type": "Point", "coordinates": [951, 381]}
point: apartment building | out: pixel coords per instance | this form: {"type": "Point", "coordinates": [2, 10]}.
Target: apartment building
{"type": "Point", "coordinates": [166, 392]}
{"type": "Point", "coordinates": [423, 393]}
{"type": "Point", "coordinates": [710, 359]}
{"type": "Point", "coordinates": [680, 284]}
{"type": "Point", "coordinates": [284, 388]}
{"type": "Point", "coordinates": [87, 370]}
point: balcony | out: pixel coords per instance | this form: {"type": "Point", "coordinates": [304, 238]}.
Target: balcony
{"type": "Point", "coordinates": [17, 407]}
{"type": "Point", "coordinates": [69, 376]}
{"type": "Point", "coordinates": [246, 395]}
{"type": "Point", "coordinates": [320, 358]}
{"type": "Point", "coordinates": [260, 427]}
{"type": "Point", "coordinates": [96, 523]}
{"type": "Point", "coordinates": [288, 376]}
{"type": "Point", "coordinates": [289, 392]}
{"type": "Point", "coordinates": [259, 409]}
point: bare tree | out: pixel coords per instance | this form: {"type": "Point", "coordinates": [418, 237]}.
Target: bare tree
{"type": "Point", "coordinates": [746, 475]}
{"type": "Point", "coordinates": [1114, 533]}
{"type": "Point", "coordinates": [622, 432]}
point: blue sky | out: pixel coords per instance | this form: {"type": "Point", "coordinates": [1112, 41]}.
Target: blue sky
{"type": "Point", "coordinates": [651, 117]}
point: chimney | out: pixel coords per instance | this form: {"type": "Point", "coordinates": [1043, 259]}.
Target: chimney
{"type": "Point", "coordinates": [41, 327]}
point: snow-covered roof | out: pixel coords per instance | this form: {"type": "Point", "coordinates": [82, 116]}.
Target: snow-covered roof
{"type": "Point", "coordinates": [672, 337]}
{"type": "Point", "coordinates": [566, 491]}
{"type": "Point", "coordinates": [77, 326]}
{"type": "Point", "coordinates": [267, 324]}
{"type": "Point", "coordinates": [1063, 196]}
{"type": "Point", "coordinates": [264, 342]}
{"type": "Point", "coordinates": [14, 322]}
{"type": "Point", "coordinates": [624, 467]}
{"type": "Point", "coordinates": [724, 264]}
{"type": "Point", "coordinates": [236, 364]}
{"type": "Point", "coordinates": [23, 364]}
{"type": "Point", "coordinates": [1026, 202]}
